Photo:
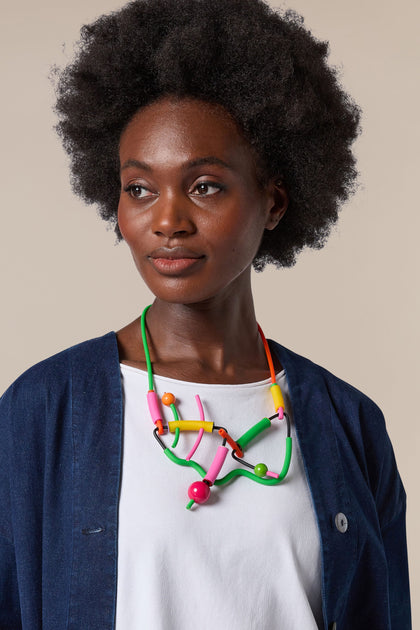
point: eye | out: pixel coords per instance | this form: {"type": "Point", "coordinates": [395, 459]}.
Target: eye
{"type": "Point", "coordinates": [203, 189]}
{"type": "Point", "coordinates": [137, 192]}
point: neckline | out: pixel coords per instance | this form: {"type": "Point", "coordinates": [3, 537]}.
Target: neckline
{"type": "Point", "coordinates": [168, 379]}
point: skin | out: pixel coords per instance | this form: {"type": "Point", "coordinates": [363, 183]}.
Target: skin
{"type": "Point", "coordinates": [193, 214]}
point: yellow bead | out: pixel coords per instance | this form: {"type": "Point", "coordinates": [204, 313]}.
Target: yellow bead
{"type": "Point", "coordinates": [190, 425]}
{"type": "Point", "coordinates": [277, 396]}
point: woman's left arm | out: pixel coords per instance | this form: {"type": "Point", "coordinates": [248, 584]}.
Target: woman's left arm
{"type": "Point", "coordinates": [9, 594]}
{"type": "Point", "coordinates": [390, 499]}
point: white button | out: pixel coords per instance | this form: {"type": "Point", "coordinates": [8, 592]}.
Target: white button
{"type": "Point", "coordinates": [341, 522]}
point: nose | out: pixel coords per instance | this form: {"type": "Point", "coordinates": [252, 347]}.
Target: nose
{"type": "Point", "coordinates": [172, 216]}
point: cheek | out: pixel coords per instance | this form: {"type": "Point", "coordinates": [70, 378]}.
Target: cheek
{"type": "Point", "coordinates": [245, 230]}
{"type": "Point", "coordinates": [237, 247]}
{"type": "Point", "coordinates": [129, 224]}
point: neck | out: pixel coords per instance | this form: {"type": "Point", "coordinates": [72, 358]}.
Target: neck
{"type": "Point", "coordinates": [218, 332]}
{"type": "Point", "coordinates": [215, 341]}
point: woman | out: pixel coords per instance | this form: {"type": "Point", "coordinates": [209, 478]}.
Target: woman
{"type": "Point", "coordinates": [215, 137]}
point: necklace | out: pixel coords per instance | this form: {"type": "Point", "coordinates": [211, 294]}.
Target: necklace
{"type": "Point", "coordinates": [199, 491]}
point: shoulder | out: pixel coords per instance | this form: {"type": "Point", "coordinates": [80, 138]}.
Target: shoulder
{"type": "Point", "coordinates": [338, 410]}
{"type": "Point", "coordinates": [54, 373]}
{"type": "Point", "coordinates": [316, 380]}
{"type": "Point", "coordinates": [331, 409]}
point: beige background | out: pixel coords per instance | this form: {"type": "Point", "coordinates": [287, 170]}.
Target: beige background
{"type": "Point", "coordinates": [353, 307]}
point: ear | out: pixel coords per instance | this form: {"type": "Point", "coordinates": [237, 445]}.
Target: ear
{"type": "Point", "coordinates": [279, 200]}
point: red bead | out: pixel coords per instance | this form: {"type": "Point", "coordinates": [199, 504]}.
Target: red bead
{"type": "Point", "coordinates": [199, 491]}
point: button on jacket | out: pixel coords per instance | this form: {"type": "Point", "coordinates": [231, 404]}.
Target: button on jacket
{"type": "Point", "coordinates": [60, 466]}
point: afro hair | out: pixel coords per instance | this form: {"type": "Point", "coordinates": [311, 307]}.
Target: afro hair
{"type": "Point", "coordinates": [264, 67]}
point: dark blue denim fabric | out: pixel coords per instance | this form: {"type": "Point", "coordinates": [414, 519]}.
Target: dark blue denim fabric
{"type": "Point", "coordinates": [60, 464]}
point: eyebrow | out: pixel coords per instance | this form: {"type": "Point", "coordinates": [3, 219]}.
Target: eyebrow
{"type": "Point", "coordinates": [136, 164]}
{"type": "Point", "coordinates": [202, 161]}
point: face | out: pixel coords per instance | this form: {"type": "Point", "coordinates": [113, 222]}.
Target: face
{"type": "Point", "coordinates": [191, 208]}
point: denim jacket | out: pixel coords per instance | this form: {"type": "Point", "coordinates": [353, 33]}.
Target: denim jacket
{"type": "Point", "coordinates": [60, 465]}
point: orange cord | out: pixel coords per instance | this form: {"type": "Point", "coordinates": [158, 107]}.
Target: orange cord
{"type": "Point", "coordinates": [268, 355]}
{"type": "Point", "coordinates": [231, 442]}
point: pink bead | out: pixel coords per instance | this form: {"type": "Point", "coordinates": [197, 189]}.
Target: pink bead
{"type": "Point", "coordinates": [199, 491]}
{"type": "Point", "coordinates": [197, 442]}
{"type": "Point", "coordinates": [152, 401]}
{"type": "Point", "coordinates": [217, 464]}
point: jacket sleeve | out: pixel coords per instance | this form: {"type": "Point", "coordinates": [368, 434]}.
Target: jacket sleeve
{"type": "Point", "coordinates": [390, 500]}
{"type": "Point", "coordinates": [9, 594]}
{"type": "Point", "coordinates": [391, 506]}
{"type": "Point", "coordinates": [394, 539]}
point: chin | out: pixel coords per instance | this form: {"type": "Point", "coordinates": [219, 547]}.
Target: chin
{"type": "Point", "coordinates": [175, 292]}
{"type": "Point", "coordinates": [196, 288]}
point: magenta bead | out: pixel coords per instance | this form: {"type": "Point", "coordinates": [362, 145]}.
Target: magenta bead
{"type": "Point", "coordinates": [199, 491]}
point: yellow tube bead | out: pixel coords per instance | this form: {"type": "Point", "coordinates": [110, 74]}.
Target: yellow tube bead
{"type": "Point", "coordinates": [190, 425]}
{"type": "Point", "coordinates": [277, 396]}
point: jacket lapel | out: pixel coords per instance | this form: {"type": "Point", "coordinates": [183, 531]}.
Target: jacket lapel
{"type": "Point", "coordinates": [97, 437]}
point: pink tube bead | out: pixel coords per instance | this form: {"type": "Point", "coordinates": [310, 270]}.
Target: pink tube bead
{"type": "Point", "coordinates": [200, 407]}
{"type": "Point", "coordinates": [197, 442]}
{"type": "Point", "coordinates": [217, 464]}
{"type": "Point", "coordinates": [152, 401]}
{"type": "Point", "coordinates": [269, 473]}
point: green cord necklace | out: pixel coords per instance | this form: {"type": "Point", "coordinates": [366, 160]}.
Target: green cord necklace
{"type": "Point", "coordinates": [199, 491]}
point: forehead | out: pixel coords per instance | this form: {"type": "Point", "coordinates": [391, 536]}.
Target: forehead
{"type": "Point", "coordinates": [184, 129]}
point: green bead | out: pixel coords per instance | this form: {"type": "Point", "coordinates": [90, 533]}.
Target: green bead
{"type": "Point", "coordinates": [260, 470]}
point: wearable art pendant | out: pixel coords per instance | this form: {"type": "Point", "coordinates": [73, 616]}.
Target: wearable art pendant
{"type": "Point", "coordinates": [199, 491]}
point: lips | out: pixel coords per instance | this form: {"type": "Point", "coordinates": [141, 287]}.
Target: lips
{"type": "Point", "coordinates": [175, 260]}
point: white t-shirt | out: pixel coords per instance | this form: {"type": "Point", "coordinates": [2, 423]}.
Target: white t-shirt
{"type": "Point", "coordinates": [249, 557]}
